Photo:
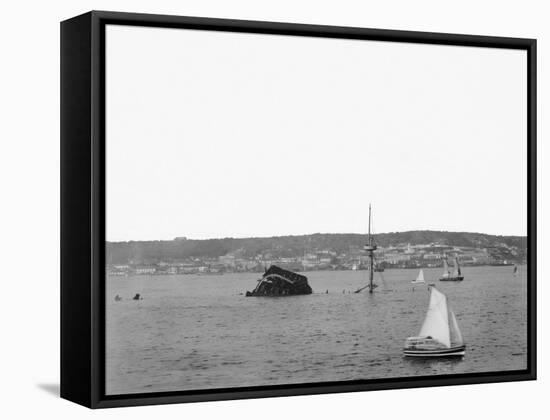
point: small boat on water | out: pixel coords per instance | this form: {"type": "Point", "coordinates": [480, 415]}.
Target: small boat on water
{"type": "Point", "coordinates": [420, 278]}
{"type": "Point", "coordinates": [439, 335]}
{"type": "Point", "coordinates": [456, 275]}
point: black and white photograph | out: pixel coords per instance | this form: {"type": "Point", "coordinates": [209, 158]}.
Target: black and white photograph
{"type": "Point", "coordinates": [290, 209]}
{"type": "Point", "coordinates": [286, 210]}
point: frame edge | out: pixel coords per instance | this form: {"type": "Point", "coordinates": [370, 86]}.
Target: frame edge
{"type": "Point", "coordinates": [87, 112]}
{"type": "Point", "coordinates": [75, 130]}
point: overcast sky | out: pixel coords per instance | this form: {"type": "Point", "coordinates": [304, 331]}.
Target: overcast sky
{"type": "Point", "coordinates": [213, 134]}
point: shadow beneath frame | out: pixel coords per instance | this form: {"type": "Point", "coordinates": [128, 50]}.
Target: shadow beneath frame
{"type": "Point", "coordinates": [52, 389]}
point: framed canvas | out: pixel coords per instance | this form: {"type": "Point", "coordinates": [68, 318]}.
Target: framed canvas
{"type": "Point", "coordinates": [255, 209]}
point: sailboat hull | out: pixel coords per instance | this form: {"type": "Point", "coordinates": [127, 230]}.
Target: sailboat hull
{"type": "Point", "coordinates": [457, 351]}
{"type": "Point", "coordinates": [452, 278]}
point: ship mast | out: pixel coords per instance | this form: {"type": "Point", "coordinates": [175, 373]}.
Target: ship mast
{"type": "Point", "coordinates": [370, 248]}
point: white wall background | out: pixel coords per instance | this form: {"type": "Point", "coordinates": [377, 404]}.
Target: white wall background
{"type": "Point", "coordinates": [29, 174]}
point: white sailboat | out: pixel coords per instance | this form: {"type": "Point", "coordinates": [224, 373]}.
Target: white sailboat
{"type": "Point", "coordinates": [439, 335]}
{"type": "Point", "coordinates": [456, 275]}
{"type": "Point", "coordinates": [420, 278]}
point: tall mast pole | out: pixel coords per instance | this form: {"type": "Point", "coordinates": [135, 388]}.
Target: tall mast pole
{"type": "Point", "coordinates": [371, 256]}
{"type": "Point", "coordinates": [370, 247]}
{"type": "Point", "coordinates": [369, 224]}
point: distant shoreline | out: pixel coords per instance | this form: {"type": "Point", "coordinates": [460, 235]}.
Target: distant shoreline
{"type": "Point", "coordinates": [305, 235]}
{"type": "Point", "coordinates": [299, 271]}
{"type": "Point", "coordinates": [412, 249]}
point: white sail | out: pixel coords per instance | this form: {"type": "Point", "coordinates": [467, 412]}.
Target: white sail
{"type": "Point", "coordinates": [446, 272]}
{"type": "Point", "coordinates": [436, 324]}
{"type": "Point", "coordinates": [456, 335]}
{"type": "Point", "coordinates": [420, 278]}
{"type": "Point", "coordinates": [456, 271]}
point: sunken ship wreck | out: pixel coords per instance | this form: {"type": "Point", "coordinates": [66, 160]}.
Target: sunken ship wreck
{"type": "Point", "coordinates": [280, 282]}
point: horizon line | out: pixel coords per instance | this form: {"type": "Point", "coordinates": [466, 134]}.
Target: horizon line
{"type": "Point", "coordinates": [309, 234]}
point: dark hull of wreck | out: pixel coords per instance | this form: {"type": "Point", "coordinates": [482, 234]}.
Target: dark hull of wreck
{"type": "Point", "coordinates": [277, 282]}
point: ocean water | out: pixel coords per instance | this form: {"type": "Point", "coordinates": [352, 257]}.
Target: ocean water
{"type": "Point", "coordinates": [195, 332]}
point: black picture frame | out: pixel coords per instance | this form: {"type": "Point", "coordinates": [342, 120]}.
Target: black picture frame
{"type": "Point", "coordinates": [83, 206]}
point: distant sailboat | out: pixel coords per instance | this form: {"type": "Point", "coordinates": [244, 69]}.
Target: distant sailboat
{"type": "Point", "coordinates": [456, 275]}
{"type": "Point", "coordinates": [439, 335]}
{"type": "Point", "coordinates": [419, 279]}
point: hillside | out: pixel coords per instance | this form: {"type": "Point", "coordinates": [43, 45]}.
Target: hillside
{"type": "Point", "coordinates": [294, 246]}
